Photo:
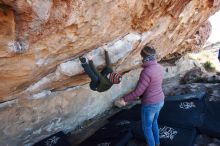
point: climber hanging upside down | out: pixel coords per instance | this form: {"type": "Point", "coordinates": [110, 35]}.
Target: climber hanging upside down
{"type": "Point", "coordinates": [100, 81]}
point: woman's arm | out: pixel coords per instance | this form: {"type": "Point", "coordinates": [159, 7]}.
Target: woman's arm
{"type": "Point", "coordinates": [141, 86]}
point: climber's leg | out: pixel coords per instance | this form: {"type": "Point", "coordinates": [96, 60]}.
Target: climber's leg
{"type": "Point", "coordinates": [94, 78]}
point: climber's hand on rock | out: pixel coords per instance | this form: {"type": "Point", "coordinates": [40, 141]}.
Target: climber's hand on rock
{"type": "Point", "coordinates": [89, 57]}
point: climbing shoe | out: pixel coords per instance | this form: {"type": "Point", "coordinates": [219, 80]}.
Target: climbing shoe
{"type": "Point", "coordinates": [82, 59]}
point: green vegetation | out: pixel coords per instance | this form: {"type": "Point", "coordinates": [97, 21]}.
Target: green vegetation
{"type": "Point", "coordinates": [209, 66]}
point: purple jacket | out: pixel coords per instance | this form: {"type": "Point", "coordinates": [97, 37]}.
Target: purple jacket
{"type": "Point", "coordinates": [149, 86]}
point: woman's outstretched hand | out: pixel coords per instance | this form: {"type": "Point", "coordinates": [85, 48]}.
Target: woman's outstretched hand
{"type": "Point", "coordinates": [120, 103]}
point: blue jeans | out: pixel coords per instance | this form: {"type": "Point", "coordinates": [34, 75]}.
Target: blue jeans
{"type": "Point", "coordinates": [149, 116]}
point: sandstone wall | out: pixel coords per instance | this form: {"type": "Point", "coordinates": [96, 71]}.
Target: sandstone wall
{"type": "Point", "coordinates": [43, 88]}
{"type": "Point", "coordinates": [30, 119]}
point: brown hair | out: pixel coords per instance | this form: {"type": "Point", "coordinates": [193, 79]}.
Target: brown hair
{"type": "Point", "coordinates": [147, 51]}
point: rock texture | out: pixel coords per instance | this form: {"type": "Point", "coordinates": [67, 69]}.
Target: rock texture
{"type": "Point", "coordinates": [42, 88]}
{"type": "Point", "coordinates": [40, 35]}
{"type": "Point", "coordinates": [193, 43]}
{"type": "Point", "coordinates": [31, 118]}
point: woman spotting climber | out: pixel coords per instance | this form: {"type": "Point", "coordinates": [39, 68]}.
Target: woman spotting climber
{"type": "Point", "coordinates": [149, 88]}
{"type": "Point", "coordinates": [100, 81]}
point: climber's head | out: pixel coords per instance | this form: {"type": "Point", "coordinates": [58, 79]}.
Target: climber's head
{"type": "Point", "coordinates": [115, 78]}
{"type": "Point", "coordinates": [148, 53]}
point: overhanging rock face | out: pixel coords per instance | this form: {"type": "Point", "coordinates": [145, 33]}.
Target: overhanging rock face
{"type": "Point", "coordinates": [40, 35]}
{"type": "Point", "coordinates": [42, 87]}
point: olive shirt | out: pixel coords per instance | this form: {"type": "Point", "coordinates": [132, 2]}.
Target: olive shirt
{"type": "Point", "coordinates": [104, 83]}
